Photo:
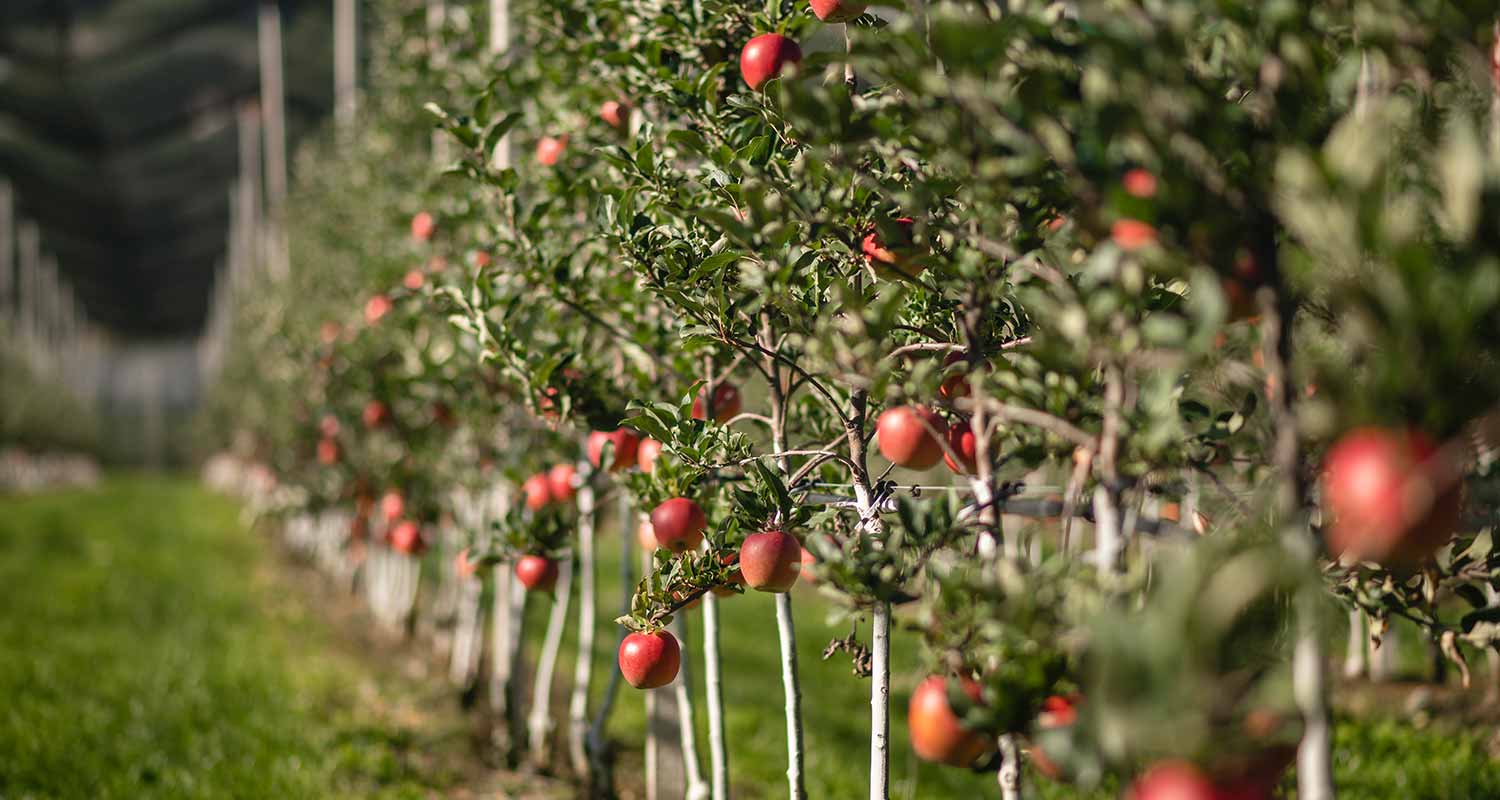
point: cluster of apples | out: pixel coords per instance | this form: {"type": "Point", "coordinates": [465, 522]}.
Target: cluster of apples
{"type": "Point", "coordinates": [553, 486]}
{"type": "Point", "coordinates": [403, 535]}
{"type": "Point", "coordinates": [908, 435]}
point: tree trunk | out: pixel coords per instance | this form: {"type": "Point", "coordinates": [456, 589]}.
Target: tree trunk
{"type": "Point", "coordinates": [718, 752]}
{"type": "Point", "coordinates": [583, 670]}
{"type": "Point", "coordinates": [539, 724]}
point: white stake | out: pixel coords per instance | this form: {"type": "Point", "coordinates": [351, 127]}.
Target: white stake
{"type": "Point", "coordinates": [273, 101]}
{"type": "Point", "coordinates": [539, 724]}
{"type": "Point", "coordinates": [583, 668]}
{"type": "Point", "coordinates": [345, 60]}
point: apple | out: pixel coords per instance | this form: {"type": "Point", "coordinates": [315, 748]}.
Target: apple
{"type": "Point", "coordinates": [1378, 493]}
{"type": "Point", "coordinates": [615, 113]}
{"type": "Point", "coordinates": [328, 452]}
{"type": "Point", "coordinates": [937, 734]}
{"type": "Point", "coordinates": [1056, 712]}
{"type": "Point", "coordinates": [329, 426]}
{"type": "Point", "coordinates": [954, 386]}
{"type": "Point", "coordinates": [726, 402]}
{"type": "Point", "coordinates": [736, 578]}
{"type": "Point", "coordinates": [422, 226]}
{"type": "Point", "coordinates": [765, 57]}
{"type": "Point", "coordinates": [1173, 780]}
{"type": "Point", "coordinates": [376, 307]}
{"type": "Point", "coordinates": [480, 259]}
{"type": "Point", "coordinates": [560, 483]}
{"type": "Point", "coordinates": [625, 442]}
{"type": "Point", "coordinates": [1139, 183]}
{"type": "Point", "coordinates": [879, 252]}
{"type": "Point", "coordinates": [462, 566]}
{"type": "Point", "coordinates": [678, 524]}
{"type": "Point", "coordinates": [961, 442]}
{"type": "Point", "coordinates": [650, 660]}
{"type": "Point", "coordinates": [413, 279]}
{"type": "Point", "coordinates": [375, 414]}
{"type": "Point", "coordinates": [645, 536]}
{"type": "Point", "coordinates": [836, 10]}
{"type": "Point", "coordinates": [549, 150]}
{"type": "Point", "coordinates": [647, 454]}
{"type": "Point", "coordinates": [392, 505]}
{"type": "Point", "coordinates": [905, 438]}
{"type": "Point", "coordinates": [1132, 234]}
{"type": "Point", "coordinates": [406, 538]}
{"type": "Point", "coordinates": [329, 332]}
{"type": "Point", "coordinates": [770, 561]}
{"type": "Point", "coordinates": [537, 573]}
{"type": "Point", "coordinates": [808, 562]}
{"type": "Point", "coordinates": [538, 492]}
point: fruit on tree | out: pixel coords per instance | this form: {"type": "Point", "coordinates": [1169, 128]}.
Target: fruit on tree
{"type": "Point", "coordinates": [329, 426]}
{"type": "Point", "coordinates": [328, 452]}
{"type": "Point", "coordinates": [625, 442]}
{"type": "Point", "coordinates": [808, 562]}
{"type": "Point", "coordinates": [836, 10]}
{"type": "Point", "coordinates": [376, 307]}
{"type": "Point", "coordinates": [649, 660]}
{"type": "Point", "coordinates": [765, 57]}
{"type": "Point", "coordinates": [406, 537]}
{"type": "Point", "coordinates": [770, 561]}
{"type": "Point", "coordinates": [645, 536]}
{"type": "Point", "coordinates": [422, 226]}
{"type": "Point", "coordinates": [678, 524]}
{"type": "Point", "coordinates": [736, 578]}
{"type": "Point", "coordinates": [1132, 234]}
{"type": "Point", "coordinates": [615, 113]}
{"type": "Point", "coordinates": [647, 454]}
{"type": "Point", "coordinates": [1139, 183]}
{"type": "Point", "coordinates": [1056, 712]}
{"type": "Point", "coordinates": [536, 573]}
{"type": "Point", "coordinates": [549, 149]}
{"type": "Point", "coordinates": [961, 442]}
{"type": "Point", "coordinates": [1379, 488]}
{"type": "Point", "coordinates": [906, 436]}
{"type": "Point", "coordinates": [937, 734]}
{"type": "Point", "coordinates": [413, 279]}
{"type": "Point", "coordinates": [480, 259]}
{"type": "Point", "coordinates": [894, 254]}
{"type": "Point", "coordinates": [329, 332]}
{"type": "Point", "coordinates": [726, 402]}
{"type": "Point", "coordinates": [392, 505]}
{"type": "Point", "coordinates": [463, 567]}
{"type": "Point", "coordinates": [1173, 780]}
{"type": "Point", "coordinates": [375, 414]}
{"type": "Point", "coordinates": [560, 483]}
{"type": "Point", "coordinates": [538, 493]}
{"type": "Point", "coordinates": [954, 386]}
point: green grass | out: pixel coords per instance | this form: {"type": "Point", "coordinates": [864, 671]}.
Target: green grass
{"type": "Point", "coordinates": [146, 651]}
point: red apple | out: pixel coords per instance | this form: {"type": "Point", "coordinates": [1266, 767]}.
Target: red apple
{"type": "Point", "coordinates": [678, 524]}
{"type": "Point", "coordinates": [645, 536]}
{"type": "Point", "coordinates": [480, 259]}
{"type": "Point", "coordinates": [329, 426]}
{"type": "Point", "coordinates": [937, 734]}
{"type": "Point", "coordinates": [392, 505]}
{"type": "Point", "coordinates": [765, 57]}
{"type": "Point", "coordinates": [905, 438]}
{"type": "Point", "coordinates": [1056, 712]}
{"type": "Point", "coordinates": [1139, 183]}
{"type": "Point", "coordinates": [538, 492]}
{"type": "Point", "coordinates": [406, 537]}
{"type": "Point", "coordinates": [376, 307]}
{"type": "Point", "coordinates": [879, 252]}
{"type": "Point", "coordinates": [808, 562]}
{"type": "Point", "coordinates": [954, 386]}
{"type": "Point", "coordinates": [537, 573]}
{"type": "Point", "coordinates": [1173, 780]}
{"type": "Point", "coordinates": [647, 454]}
{"type": "Point", "coordinates": [650, 660]}
{"type": "Point", "coordinates": [836, 10]}
{"type": "Point", "coordinates": [961, 442]}
{"type": "Point", "coordinates": [550, 149]}
{"type": "Point", "coordinates": [1378, 492]}
{"type": "Point", "coordinates": [462, 566]}
{"type": "Point", "coordinates": [423, 226]}
{"type": "Point", "coordinates": [615, 114]}
{"type": "Point", "coordinates": [375, 414]}
{"type": "Point", "coordinates": [727, 403]}
{"type": "Point", "coordinates": [413, 279]}
{"type": "Point", "coordinates": [625, 442]}
{"type": "Point", "coordinates": [736, 578]}
{"type": "Point", "coordinates": [329, 332]}
{"type": "Point", "coordinates": [770, 561]}
{"type": "Point", "coordinates": [560, 483]}
{"type": "Point", "coordinates": [328, 452]}
{"type": "Point", "coordinates": [1132, 234]}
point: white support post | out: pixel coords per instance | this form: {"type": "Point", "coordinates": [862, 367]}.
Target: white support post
{"type": "Point", "coordinates": [437, 12]}
{"type": "Point", "coordinates": [345, 61]}
{"type": "Point", "coordinates": [499, 44]}
{"type": "Point", "coordinates": [249, 189]}
{"type": "Point", "coordinates": [273, 102]}
{"type": "Point", "coordinates": [7, 249]}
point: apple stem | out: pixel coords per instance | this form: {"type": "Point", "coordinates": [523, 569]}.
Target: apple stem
{"type": "Point", "coordinates": [539, 723]}
{"type": "Point", "coordinates": [583, 671]}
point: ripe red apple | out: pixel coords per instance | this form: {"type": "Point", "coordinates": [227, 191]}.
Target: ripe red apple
{"type": "Point", "coordinates": [550, 149]}
{"type": "Point", "coordinates": [375, 414]}
{"type": "Point", "coordinates": [650, 660]}
{"type": "Point", "coordinates": [625, 442]}
{"type": "Point", "coordinates": [406, 537]}
{"type": "Point", "coordinates": [537, 573]}
{"type": "Point", "coordinates": [736, 578]}
{"type": "Point", "coordinates": [678, 524]}
{"type": "Point", "coordinates": [392, 506]}
{"type": "Point", "coordinates": [1378, 492]}
{"type": "Point", "coordinates": [560, 483]}
{"type": "Point", "coordinates": [836, 10]}
{"type": "Point", "coordinates": [1139, 183]}
{"type": "Point", "coordinates": [808, 562]}
{"type": "Point", "coordinates": [413, 279]}
{"type": "Point", "coordinates": [1132, 234]}
{"type": "Point", "coordinates": [328, 452]}
{"type": "Point", "coordinates": [615, 113]}
{"type": "Point", "coordinates": [1173, 780]}
{"type": "Point", "coordinates": [329, 332]}
{"type": "Point", "coordinates": [937, 734]}
{"type": "Point", "coordinates": [645, 536]}
{"type": "Point", "coordinates": [329, 426]}
{"type": "Point", "coordinates": [462, 566]}
{"type": "Point", "coordinates": [647, 454]}
{"type": "Point", "coordinates": [538, 492]}
{"type": "Point", "coordinates": [879, 252]}
{"type": "Point", "coordinates": [954, 386]}
{"type": "Point", "coordinates": [422, 226]}
{"type": "Point", "coordinates": [727, 403]}
{"type": "Point", "coordinates": [765, 57]}
{"type": "Point", "coordinates": [961, 442]}
{"type": "Point", "coordinates": [904, 437]}
{"type": "Point", "coordinates": [376, 307]}
{"type": "Point", "coordinates": [770, 561]}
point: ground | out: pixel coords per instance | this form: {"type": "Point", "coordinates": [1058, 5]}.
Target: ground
{"type": "Point", "coordinates": [151, 646]}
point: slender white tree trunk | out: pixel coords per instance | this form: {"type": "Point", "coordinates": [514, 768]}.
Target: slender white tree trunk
{"type": "Point", "coordinates": [718, 751]}
{"type": "Point", "coordinates": [1356, 647]}
{"type": "Point", "coordinates": [539, 724]}
{"type": "Point", "coordinates": [1010, 769]}
{"type": "Point", "coordinates": [791, 687]}
{"type": "Point", "coordinates": [653, 782]}
{"type": "Point", "coordinates": [880, 664]}
{"type": "Point", "coordinates": [687, 731]}
{"type": "Point", "coordinates": [1309, 683]}
{"type": "Point", "coordinates": [583, 669]}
